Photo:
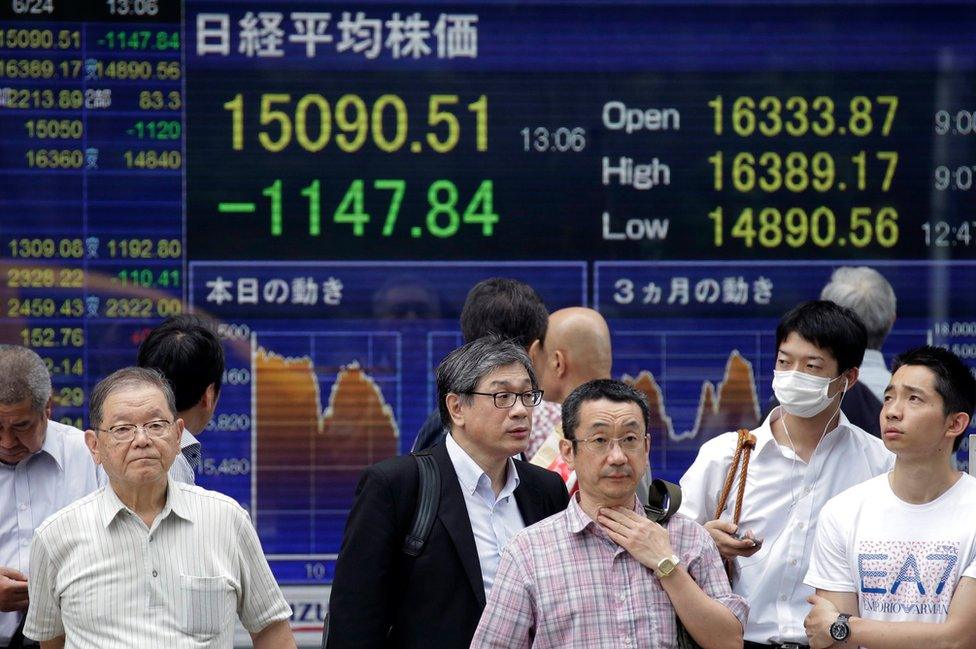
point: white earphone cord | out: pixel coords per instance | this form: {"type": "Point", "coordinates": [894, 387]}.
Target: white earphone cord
{"type": "Point", "coordinates": [793, 498]}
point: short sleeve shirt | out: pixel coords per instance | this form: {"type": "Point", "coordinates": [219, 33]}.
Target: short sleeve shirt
{"type": "Point", "coordinates": [103, 578]}
{"type": "Point", "coordinates": [902, 560]}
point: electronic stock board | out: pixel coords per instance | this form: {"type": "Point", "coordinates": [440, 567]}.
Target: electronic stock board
{"type": "Point", "coordinates": [328, 180]}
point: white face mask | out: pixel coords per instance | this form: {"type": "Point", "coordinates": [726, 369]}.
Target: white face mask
{"type": "Point", "coordinates": [802, 395]}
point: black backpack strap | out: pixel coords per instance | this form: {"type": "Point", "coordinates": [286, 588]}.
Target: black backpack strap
{"type": "Point", "coordinates": [428, 496]}
{"type": "Point", "coordinates": [663, 500]}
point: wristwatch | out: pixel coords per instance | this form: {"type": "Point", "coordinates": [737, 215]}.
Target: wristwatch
{"type": "Point", "coordinates": [667, 565]}
{"type": "Point", "coordinates": [841, 630]}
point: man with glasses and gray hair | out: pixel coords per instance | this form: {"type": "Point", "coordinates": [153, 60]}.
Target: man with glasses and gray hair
{"type": "Point", "coordinates": [601, 574]}
{"type": "Point", "coordinates": [381, 596]}
{"type": "Point", "coordinates": [147, 561]}
{"type": "Point", "coordinates": [44, 466]}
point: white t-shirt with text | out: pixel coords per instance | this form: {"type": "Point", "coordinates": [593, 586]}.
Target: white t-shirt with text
{"type": "Point", "coordinates": [903, 561]}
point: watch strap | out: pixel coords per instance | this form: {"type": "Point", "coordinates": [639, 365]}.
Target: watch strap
{"type": "Point", "coordinates": [842, 622]}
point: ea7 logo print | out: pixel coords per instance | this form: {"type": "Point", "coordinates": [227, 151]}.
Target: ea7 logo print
{"type": "Point", "coordinates": [907, 576]}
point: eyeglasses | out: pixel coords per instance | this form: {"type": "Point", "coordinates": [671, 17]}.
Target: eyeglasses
{"type": "Point", "coordinates": [602, 444]}
{"type": "Point", "coordinates": [127, 432]}
{"type": "Point", "coordinates": [507, 399]}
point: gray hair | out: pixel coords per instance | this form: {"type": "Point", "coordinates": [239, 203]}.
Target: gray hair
{"type": "Point", "coordinates": [868, 294]}
{"type": "Point", "coordinates": [23, 375]}
{"type": "Point", "coordinates": [128, 377]}
{"type": "Point", "coordinates": [462, 369]}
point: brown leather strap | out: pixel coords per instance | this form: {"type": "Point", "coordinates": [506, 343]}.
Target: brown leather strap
{"type": "Point", "coordinates": [748, 443]}
{"type": "Point", "coordinates": [743, 450]}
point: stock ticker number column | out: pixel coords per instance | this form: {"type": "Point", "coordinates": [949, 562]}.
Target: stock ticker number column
{"type": "Point", "coordinates": [854, 173]}
{"type": "Point", "coordinates": [816, 172]}
{"type": "Point", "coordinates": [91, 111]}
{"type": "Point", "coordinates": [717, 167]}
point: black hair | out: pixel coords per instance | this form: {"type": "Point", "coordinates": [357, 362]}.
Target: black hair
{"type": "Point", "coordinates": [829, 326]}
{"type": "Point", "coordinates": [187, 350]}
{"type": "Point", "coordinates": [595, 390]}
{"type": "Point", "coordinates": [504, 307]}
{"type": "Point", "coordinates": [953, 380]}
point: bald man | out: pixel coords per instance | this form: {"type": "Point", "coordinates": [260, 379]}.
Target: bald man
{"type": "Point", "coordinates": [576, 349]}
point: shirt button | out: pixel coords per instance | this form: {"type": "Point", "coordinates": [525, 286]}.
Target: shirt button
{"type": "Point", "coordinates": [22, 506]}
{"type": "Point", "coordinates": [800, 525]}
{"type": "Point", "coordinates": [792, 562]}
{"type": "Point", "coordinates": [623, 597]}
{"type": "Point", "coordinates": [155, 574]}
{"type": "Point", "coordinates": [24, 542]}
{"type": "Point", "coordinates": [782, 598]}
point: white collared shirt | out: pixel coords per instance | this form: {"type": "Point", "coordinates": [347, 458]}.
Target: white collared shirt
{"type": "Point", "coordinates": [782, 501]}
{"type": "Point", "coordinates": [106, 580]}
{"type": "Point", "coordinates": [874, 373]}
{"type": "Point", "coordinates": [180, 470]}
{"type": "Point", "coordinates": [33, 489]}
{"type": "Point", "coordinates": [494, 521]}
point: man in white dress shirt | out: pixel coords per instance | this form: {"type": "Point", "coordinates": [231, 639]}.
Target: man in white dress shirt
{"type": "Point", "coordinates": [806, 452]}
{"type": "Point", "coordinates": [187, 351]}
{"type": "Point", "coordinates": [146, 561]}
{"type": "Point", "coordinates": [44, 466]}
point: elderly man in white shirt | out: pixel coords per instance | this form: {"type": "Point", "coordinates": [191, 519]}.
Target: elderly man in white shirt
{"type": "Point", "coordinates": [148, 562]}
{"type": "Point", "coordinates": [44, 465]}
{"type": "Point", "coordinates": [806, 452]}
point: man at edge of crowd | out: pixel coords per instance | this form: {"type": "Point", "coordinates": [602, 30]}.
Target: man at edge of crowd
{"type": "Point", "coordinates": [894, 564]}
{"type": "Point", "coordinates": [44, 465]}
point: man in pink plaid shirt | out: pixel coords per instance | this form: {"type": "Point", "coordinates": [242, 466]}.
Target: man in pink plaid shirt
{"type": "Point", "coordinates": [600, 574]}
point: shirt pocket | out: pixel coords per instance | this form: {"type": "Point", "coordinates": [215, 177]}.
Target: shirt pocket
{"type": "Point", "coordinates": [208, 603]}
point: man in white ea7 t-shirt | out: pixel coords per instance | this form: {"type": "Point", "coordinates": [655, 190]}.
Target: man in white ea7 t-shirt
{"type": "Point", "coordinates": [894, 563]}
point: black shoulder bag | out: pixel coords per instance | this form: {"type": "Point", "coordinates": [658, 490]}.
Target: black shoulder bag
{"type": "Point", "coordinates": [663, 500]}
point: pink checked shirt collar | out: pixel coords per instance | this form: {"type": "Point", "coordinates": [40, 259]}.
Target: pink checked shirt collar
{"type": "Point", "coordinates": [577, 520]}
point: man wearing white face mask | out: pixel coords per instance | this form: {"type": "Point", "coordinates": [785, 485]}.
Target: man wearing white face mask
{"type": "Point", "coordinates": [806, 452]}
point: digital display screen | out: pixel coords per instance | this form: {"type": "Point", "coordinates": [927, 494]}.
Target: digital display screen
{"type": "Point", "coordinates": [328, 180]}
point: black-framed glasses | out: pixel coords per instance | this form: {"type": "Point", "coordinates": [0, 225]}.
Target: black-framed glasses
{"type": "Point", "coordinates": [602, 444]}
{"type": "Point", "coordinates": [507, 399]}
{"type": "Point", "coordinates": [127, 432]}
